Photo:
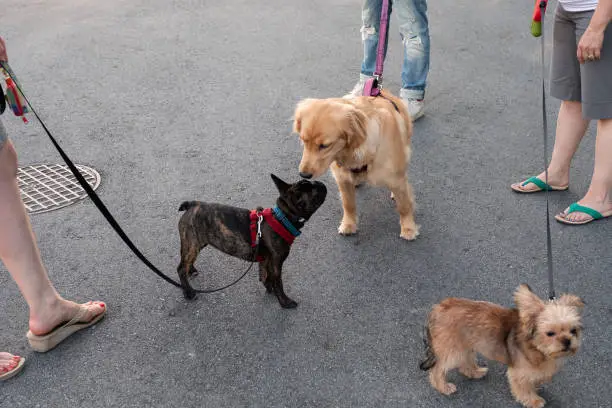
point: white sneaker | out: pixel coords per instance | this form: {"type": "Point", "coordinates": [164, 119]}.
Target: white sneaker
{"type": "Point", "coordinates": [358, 88]}
{"type": "Point", "coordinates": [416, 108]}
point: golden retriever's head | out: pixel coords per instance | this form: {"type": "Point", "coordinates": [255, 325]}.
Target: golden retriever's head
{"type": "Point", "coordinates": [326, 128]}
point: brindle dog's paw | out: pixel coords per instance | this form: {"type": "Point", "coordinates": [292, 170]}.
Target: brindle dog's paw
{"type": "Point", "coordinates": [193, 272]}
{"type": "Point", "coordinates": [189, 295]}
{"type": "Point", "coordinates": [291, 304]}
{"type": "Point", "coordinates": [269, 287]}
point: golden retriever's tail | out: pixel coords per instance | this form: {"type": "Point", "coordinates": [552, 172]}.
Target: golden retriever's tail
{"type": "Point", "coordinates": [403, 111]}
{"type": "Point", "coordinates": [430, 357]}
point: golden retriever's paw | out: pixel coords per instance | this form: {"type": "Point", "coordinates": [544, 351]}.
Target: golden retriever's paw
{"type": "Point", "coordinates": [347, 228]}
{"type": "Point", "coordinates": [448, 389]}
{"type": "Point", "coordinates": [410, 233]}
{"type": "Point", "coordinates": [538, 402]}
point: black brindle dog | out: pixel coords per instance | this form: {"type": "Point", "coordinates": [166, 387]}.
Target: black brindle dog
{"type": "Point", "coordinates": [232, 230]}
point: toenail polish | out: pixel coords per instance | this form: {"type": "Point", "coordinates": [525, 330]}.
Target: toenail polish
{"type": "Point", "coordinates": [16, 358]}
{"type": "Point", "coordinates": [102, 304]}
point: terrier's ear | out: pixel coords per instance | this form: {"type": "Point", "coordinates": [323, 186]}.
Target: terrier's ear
{"type": "Point", "coordinates": [280, 184]}
{"type": "Point", "coordinates": [527, 302]}
{"type": "Point", "coordinates": [572, 301]}
{"type": "Point", "coordinates": [299, 111]}
{"type": "Point", "coordinates": [529, 307]}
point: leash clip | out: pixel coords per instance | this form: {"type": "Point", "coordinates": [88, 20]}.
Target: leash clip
{"type": "Point", "coordinates": [259, 221]}
{"type": "Point", "coordinates": [378, 79]}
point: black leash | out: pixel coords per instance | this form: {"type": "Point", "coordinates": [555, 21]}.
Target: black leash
{"type": "Point", "coordinates": [105, 212]}
{"type": "Point", "coordinates": [551, 283]}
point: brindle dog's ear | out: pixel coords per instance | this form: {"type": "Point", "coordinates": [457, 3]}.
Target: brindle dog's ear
{"type": "Point", "coordinates": [280, 184]}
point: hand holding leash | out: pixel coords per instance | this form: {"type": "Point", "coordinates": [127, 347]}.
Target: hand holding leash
{"type": "Point", "coordinates": [3, 56]}
{"type": "Point", "coordinates": [13, 95]}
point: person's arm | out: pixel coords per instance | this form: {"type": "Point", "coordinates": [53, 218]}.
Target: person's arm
{"type": "Point", "coordinates": [592, 40]}
{"type": "Point", "coordinates": [3, 56]}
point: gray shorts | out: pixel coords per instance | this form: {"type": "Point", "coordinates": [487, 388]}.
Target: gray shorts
{"type": "Point", "coordinates": [3, 135]}
{"type": "Point", "coordinates": [589, 83]}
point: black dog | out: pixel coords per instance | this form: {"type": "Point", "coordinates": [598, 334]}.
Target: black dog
{"type": "Point", "coordinates": [235, 231]}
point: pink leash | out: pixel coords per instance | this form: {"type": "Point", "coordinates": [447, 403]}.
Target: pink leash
{"type": "Point", "coordinates": [372, 85]}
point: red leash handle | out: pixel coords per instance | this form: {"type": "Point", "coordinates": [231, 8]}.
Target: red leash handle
{"type": "Point", "coordinates": [538, 14]}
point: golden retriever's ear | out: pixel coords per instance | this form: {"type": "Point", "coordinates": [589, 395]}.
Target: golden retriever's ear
{"type": "Point", "coordinates": [299, 110]}
{"type": "Point", "coordinates": [527, 302]}
{"type": "Point", "coordinates": [356, 130]}
{"type": "Point", "coordinates": [572, 301]}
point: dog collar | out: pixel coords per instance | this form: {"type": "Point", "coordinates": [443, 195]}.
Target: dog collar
{"type": "Point", "coordinates": [358, 170]}
{"type": "Point", "coordinates": [280, 216]}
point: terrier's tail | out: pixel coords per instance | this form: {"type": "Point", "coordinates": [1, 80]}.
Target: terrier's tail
{"type": "Point", "coordinates": [430, 357]}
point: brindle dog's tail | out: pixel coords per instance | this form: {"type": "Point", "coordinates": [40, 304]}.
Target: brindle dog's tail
{"type": "Point", "coordinates": [185, 205]}
{"type": "Point", "coordinates": [430, 357]}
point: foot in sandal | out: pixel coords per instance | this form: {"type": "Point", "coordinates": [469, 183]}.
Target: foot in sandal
{"type": "Point", "coordinates": [61, 321]}
{"type": "Point", "coordinates": [536, 184]}
{"type": "Point", "coordinates": [10, 365]}
{"type": "Point", "coordinates": [583, 213]}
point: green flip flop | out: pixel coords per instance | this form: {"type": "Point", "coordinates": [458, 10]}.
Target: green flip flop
{"type": "Point", "coordinates": [575, 207]}
{"type": "Point", "coordinates": [539, 183]}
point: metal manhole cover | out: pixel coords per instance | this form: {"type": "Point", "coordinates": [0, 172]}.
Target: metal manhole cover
{"type": "Point", "coordinates": [46, 187]}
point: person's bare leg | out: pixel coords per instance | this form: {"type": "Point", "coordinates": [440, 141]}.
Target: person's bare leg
{"type": "Point", "coordinates": [19, 253]}
{"type": "Point", "coordinates": [571, 127]}
{"type": "Point", "coordinates": [599, 195]}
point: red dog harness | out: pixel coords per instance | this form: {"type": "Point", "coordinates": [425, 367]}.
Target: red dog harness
{"type": "Point", "coordinates": [267, 215]}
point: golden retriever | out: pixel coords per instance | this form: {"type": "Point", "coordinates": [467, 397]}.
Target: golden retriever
{"type": "Point", "coordinates": [362, 139]}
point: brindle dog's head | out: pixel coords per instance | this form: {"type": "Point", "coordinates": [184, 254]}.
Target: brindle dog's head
{"type": "Point", "coordinates": [300, 200]}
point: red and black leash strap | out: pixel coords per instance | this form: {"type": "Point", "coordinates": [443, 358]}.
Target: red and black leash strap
{"type": "Point", "coordinates": [107, 214]}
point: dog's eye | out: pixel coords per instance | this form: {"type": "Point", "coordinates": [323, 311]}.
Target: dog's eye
{"type": "Point", "coordinates": [550, 333]}
{"type": "Point", "coordinates": [574, 332]}
{"type": "Point", "coordinates": [323, 146]}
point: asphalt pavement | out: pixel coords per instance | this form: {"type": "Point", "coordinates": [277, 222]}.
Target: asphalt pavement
{"type": "Point", "coordinates": [181, 100]}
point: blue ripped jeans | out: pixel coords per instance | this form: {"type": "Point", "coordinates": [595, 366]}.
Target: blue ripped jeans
{"type": "Point", "coordinates": [414, 31]}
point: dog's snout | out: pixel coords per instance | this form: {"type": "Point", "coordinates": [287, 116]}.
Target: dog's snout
{"type": "Point", "coordinates": [566, 343]}
{"type": "Point", "coordinates": [305, 175]}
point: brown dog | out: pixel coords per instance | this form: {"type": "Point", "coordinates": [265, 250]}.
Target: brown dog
{"type": "Point", "coordinates": [364, 139]}
{"type": "Point", "coordinates": [533, 340]}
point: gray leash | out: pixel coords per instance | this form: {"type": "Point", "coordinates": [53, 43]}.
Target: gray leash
{"type": "Point", "coordinates": [551, 283]}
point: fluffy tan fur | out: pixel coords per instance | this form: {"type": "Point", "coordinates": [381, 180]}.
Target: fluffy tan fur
{"type": "Point", "coordinates": [533, 340]}
{"type": "Point", "coordinates": [363, 139]}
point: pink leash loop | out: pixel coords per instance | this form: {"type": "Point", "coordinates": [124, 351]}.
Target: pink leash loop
{"type": "Point", "coordinates": [371, 87]}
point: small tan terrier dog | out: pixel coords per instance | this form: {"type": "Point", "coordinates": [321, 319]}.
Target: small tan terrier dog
{"type": "Point", "coordinates": [533, 340]}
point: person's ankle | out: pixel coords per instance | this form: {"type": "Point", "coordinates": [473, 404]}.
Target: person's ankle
{"type": "Point", "coordinates": [556, 176]}
{"type": "Point", "coordinates": [600, 197]}
{"type": "Point", "coordinates": [48, 312]}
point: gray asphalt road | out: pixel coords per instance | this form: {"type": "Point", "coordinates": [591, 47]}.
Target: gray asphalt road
{"type": "Point", "coordinates": [175, 100]}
